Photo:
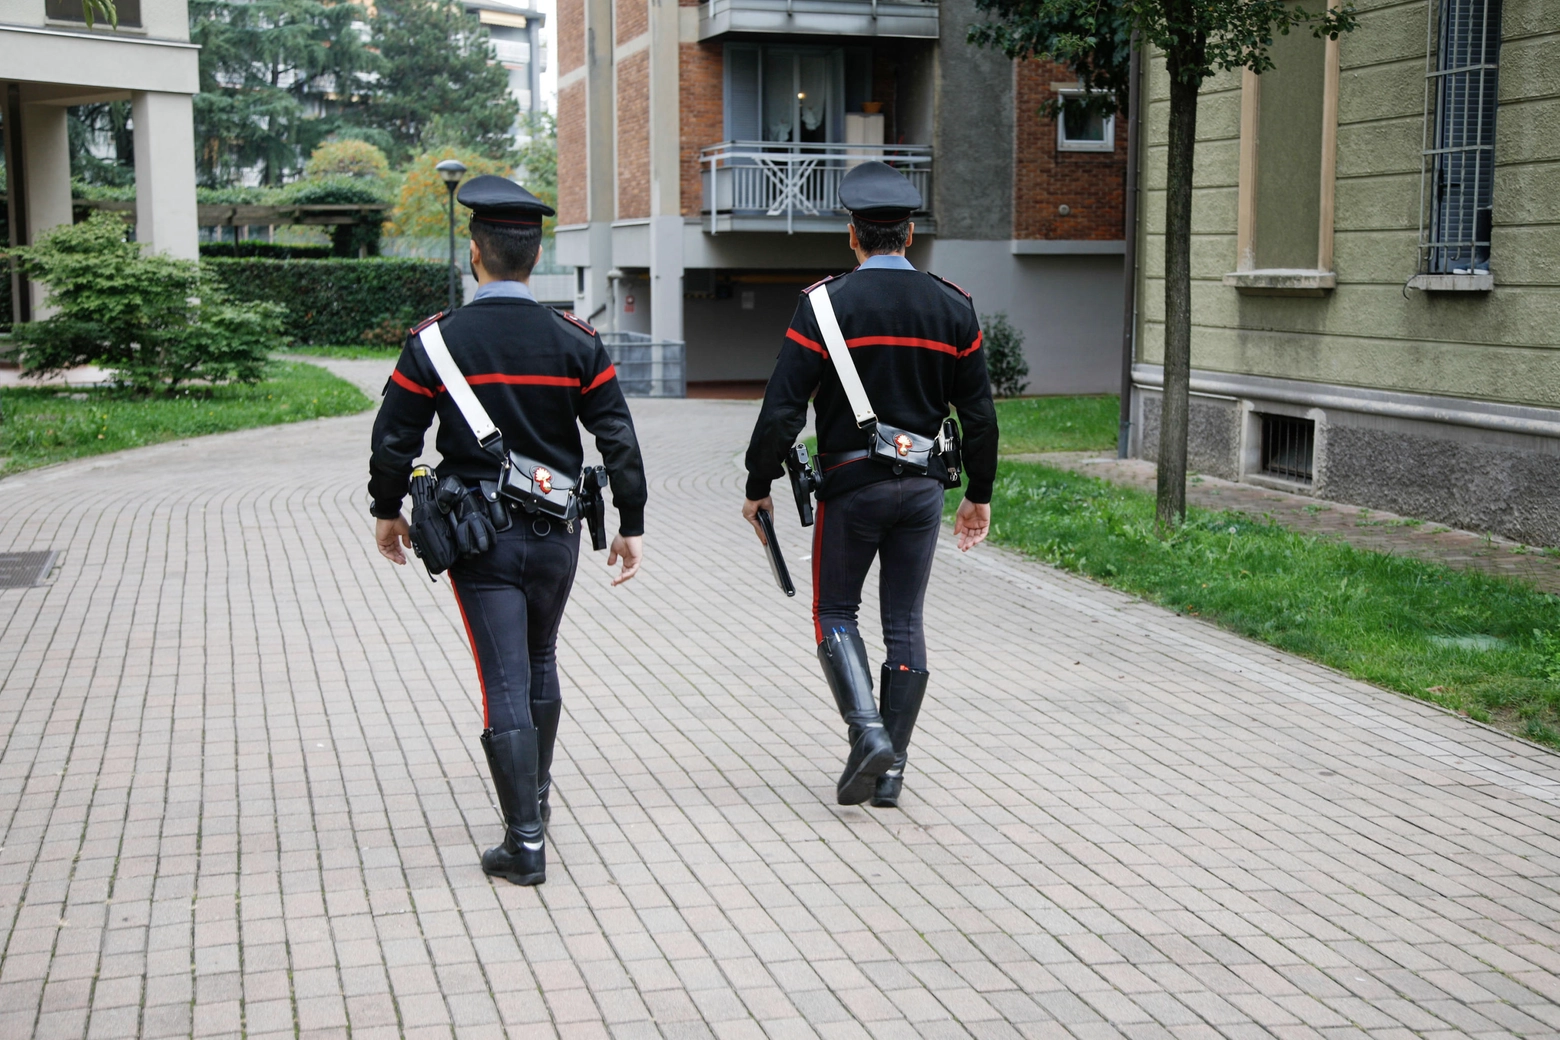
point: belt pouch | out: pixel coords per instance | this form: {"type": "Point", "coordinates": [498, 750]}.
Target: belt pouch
{"type": "Point", "coordinates": [536, 488]}
{"type": "Point", "coordinates": [906, 452]}
{"type": "Point", "coordinates": [498, 513]}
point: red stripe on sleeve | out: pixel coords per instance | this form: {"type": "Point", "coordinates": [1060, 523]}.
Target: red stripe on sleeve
{"type": "Point", "coordinates": [607, 374]}
{"type": "Point", "coordinates": [973, 347]}
{"type": "Point", "coordinates": [797, 337]}
{"type": "Point", "coordinates": [406, 384]}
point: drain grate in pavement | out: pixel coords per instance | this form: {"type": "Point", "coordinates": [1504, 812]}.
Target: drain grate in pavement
{"type": "Point", "coordinates": [23, 570]}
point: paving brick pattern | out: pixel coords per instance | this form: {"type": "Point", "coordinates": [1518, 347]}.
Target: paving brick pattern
{"type": "Point", "coordinates": [1373, 529]}
{"type": "Point", "coordinates": [241, 794]}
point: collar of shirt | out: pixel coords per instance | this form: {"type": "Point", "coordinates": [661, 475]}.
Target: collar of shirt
{"type": "Point", "coordinates": [504, 291]}
{"type": "Point", "coordinates": [886, 261]}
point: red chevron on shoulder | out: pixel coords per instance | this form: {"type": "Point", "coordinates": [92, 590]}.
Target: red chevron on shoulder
{"type": "Point", "coordinates": [819, 282]}
{"type": "Point", "coordinates": [945, 281]}
{"type": "Point", "coordinates": [581, 322]}
{"type": "Point", "coordinates": [426, 322]}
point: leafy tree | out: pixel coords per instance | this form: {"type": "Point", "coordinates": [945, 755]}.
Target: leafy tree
{"type": "Point", "coordinates": [438, 84]}
{"type": "Point", "coordinates": [1198, 38]}
{"type": "Point", "coordinates": [340, 157]}
{"type": "Point", "coordinates": [423, 208]}
{"type": "Point", "coordinates": [276, 78]}
{"type": "Point", "coordinates": [537, 157]}
{"type": "Point", "coordinates": [153, 320]}
{"type": "Point", "coordinates": [89, 125]}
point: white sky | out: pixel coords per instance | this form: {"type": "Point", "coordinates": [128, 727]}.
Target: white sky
{"type": "Point", "coordinates": [550, 34]}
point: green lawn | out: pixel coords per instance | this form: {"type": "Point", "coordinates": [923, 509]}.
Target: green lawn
{"type": "Point", "coordinates": [47, 425]}
{"type": "Point", "coordinates": [373, 353]}
{"type": "Point", "coordinates": [1058, 423]}
{"type": "Point", "coordinates": [1485, 646]}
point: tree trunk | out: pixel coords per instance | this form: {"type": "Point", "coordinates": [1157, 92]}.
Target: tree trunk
{"type": "Point", "coordinates": [1170, 508]}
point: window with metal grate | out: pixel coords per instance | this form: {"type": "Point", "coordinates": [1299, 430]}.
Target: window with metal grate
{"type": "Point", "coordinates": [1457, 172]}
{"type": "Point", "coordinates": [1288, 447]}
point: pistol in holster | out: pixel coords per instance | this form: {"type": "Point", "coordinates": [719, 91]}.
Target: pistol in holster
{"type": "Point", "coordinates": [593, 504]}
{"type": "Point", "coordinates": [804, 481]}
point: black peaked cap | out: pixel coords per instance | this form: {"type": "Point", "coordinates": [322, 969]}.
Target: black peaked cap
{"type": "Point", "coordinates": [499, 200]}
{"type": "Point", "coordinates": [879, 193]}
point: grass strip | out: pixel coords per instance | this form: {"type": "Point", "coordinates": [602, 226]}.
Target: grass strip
{"type": "Point", "coordinates": [358, 352]}
{"type": "Point", "coordinates": [1058, 423]}
{"type": "Point", "coordinates": [1485, 646]}
{"type": "Point", "coordinates": [44, 425]}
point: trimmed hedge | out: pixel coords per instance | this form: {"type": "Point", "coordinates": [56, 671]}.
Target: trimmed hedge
{"type": "Point", "coordinates": [251, 247]}
{"type": "Point", "coordinates": [341, 302]}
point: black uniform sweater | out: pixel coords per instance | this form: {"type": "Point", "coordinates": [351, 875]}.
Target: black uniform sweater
{"type": "Point", "coordinates": [538, 373]}
{"type": "Point", "coordinates": [916, 342]}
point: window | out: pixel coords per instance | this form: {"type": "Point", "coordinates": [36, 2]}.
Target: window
{"type": "Point", "coordinates": [1288, 447]}
{"type": "Point", "coordinates": [793, 94]}
{"type": "Point", "coordinates": [1458, 170]}
{"type": "Point", "coordinates": [70, 11]}
{"type": "Point", "coordinates": [1079, 130]}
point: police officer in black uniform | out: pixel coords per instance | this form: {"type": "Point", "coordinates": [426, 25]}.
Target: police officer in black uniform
{"type": "Point", "coordinates": [916, 343]}
{"type": "Point", "coordinates": [538, 373]}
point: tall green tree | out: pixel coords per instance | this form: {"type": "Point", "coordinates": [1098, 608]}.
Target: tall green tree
{"type": "Point", "coordinates": [438, 83]}
{"type": "Point", "coordinates": [276, 78]}
{"type": "Point", "coordinates": [1197, 39]}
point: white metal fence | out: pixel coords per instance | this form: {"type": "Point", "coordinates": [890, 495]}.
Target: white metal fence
{"type": "Point", "coordinates": [770, 179]}
{"type": "Point", "coordinates": [648, 367]}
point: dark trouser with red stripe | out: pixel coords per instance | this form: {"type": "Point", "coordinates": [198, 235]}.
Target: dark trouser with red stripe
{"type": "Point", "coordinates": [895, 521]}
{"type": "Point", "coordinates": [512, 598]}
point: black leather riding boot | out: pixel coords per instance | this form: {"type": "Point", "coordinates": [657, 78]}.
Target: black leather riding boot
{"type": "Point", "coordinates": [522, 858]}
{"type": "Point", "coordinates": [902, 690]}
{"type": "Point", "coordinates": [844, 659]}
{"type": "Point", "coordinates": [545, 715]}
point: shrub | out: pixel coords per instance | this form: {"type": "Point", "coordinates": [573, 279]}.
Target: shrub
{"type": "Point", "coordinates": [422, 210]}
{"type": "Point", "coordinates": [1004, 355]}
{"type": "Point", "coordinates": [338, 190]}
{"type": "Point", "coordinates": [338, 301]}
{"type": "Point", "coordinates": [269, 250]}
{"type": "Point", "coordinates": [152, 320]}
{"type": "Point", "coordinates": [349, 158]}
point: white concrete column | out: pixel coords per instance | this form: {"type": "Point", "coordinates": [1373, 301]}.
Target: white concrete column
{"type": "Point", "coordinates": [46, 153]}
{"type": "Point", "coordinates": [666, 231]}
{"type": "Point", "coordinates": [165, 217]}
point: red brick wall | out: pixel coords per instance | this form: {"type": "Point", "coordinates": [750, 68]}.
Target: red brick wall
{"type": "Point", "coordinates": [1091, 184]}
{"type": "Point", "coordinates": [633, 19]}
{"type": "Point", "coordinates": [571, 35]}
{"type": "Point", "coordinates": [701, 88]}
{"type": "Point", "coordinates": [633, 136]}
{"type": "Point", "coordinates": [573, 156]}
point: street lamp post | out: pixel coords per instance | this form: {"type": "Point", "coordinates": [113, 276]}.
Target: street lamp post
{"type": "Point", "coordinates": [451, 170]}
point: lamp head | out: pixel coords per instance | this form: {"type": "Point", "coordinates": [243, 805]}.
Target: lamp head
{"type": "Point", "coordinates": [451, 170]}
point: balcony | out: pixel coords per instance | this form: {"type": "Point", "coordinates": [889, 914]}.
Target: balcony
{"type": "Point", "coordinates": [911, 18]}
{"type": "Point", "coordinates": [769, 186]}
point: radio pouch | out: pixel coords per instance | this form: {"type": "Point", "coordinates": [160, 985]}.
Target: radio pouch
{"type": "Point", "coordinates": [433, 537]}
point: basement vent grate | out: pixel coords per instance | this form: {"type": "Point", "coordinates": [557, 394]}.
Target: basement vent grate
{"type": "Point", "coordinates": [1288, 447]}
{"type": "Point", "coordinates": [23, 570]}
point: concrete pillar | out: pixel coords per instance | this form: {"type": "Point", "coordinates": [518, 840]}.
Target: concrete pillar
{"type": "Point", "coordinates": [46, 153]}
{"type": "Point", "coordinates": [666, 223]}
{"type": "Point", "coordinates": [46, 165]}
{"type": "Point", "coordinates": [165, 216]}
{"type": "Point", "coordinates": [601, 152]}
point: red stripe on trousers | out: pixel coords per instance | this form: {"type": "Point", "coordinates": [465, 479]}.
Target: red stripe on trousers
{"type": "Point", "coordinates": [817, 560]}
{"type": "Point", "coordinates": [474, 656]}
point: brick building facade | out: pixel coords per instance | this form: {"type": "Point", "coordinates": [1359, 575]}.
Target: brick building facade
{"type": "Point", "coordinates": [700, 153]}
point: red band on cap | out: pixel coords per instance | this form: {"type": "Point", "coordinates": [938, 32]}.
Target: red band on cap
{"type": "Point", "coordinates": [508, 223]}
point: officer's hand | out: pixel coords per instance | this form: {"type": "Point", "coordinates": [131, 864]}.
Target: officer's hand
{"type": "Point", "coordinates": [632, 549]}
{"type": "Point", "coordinates": [750, 510]}
{"type": "Point", "coordinates": [971, 523]}
{"type": "Point", "coordinates": [391, 535]}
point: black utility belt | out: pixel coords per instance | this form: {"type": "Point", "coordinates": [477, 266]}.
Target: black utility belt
{"type": "Point", "coordinates": [538, 491]}
{"type": "Point", "coordinates": [906, 452]}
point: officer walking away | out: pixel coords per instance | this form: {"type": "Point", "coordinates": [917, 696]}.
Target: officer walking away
{"type": "Point", "coordinates": [537, 373]}
{"type": "Point", "coordinates": [915, 342]}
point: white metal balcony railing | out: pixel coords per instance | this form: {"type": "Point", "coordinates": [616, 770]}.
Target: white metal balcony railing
{"type": "Point", "coordinates": [903, 18]}
{"type": "Point", "coordinates": [774, 180]}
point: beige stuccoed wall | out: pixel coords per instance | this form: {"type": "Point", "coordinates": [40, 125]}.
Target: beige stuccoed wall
{"type": "Point", "coordinates": [1497, 346]}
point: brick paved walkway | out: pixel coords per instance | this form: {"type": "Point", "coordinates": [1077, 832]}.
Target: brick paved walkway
{"type": "Point", "coordinates": [240, 792]}
{"type": "Point", "coordinates": [1373, 529]}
